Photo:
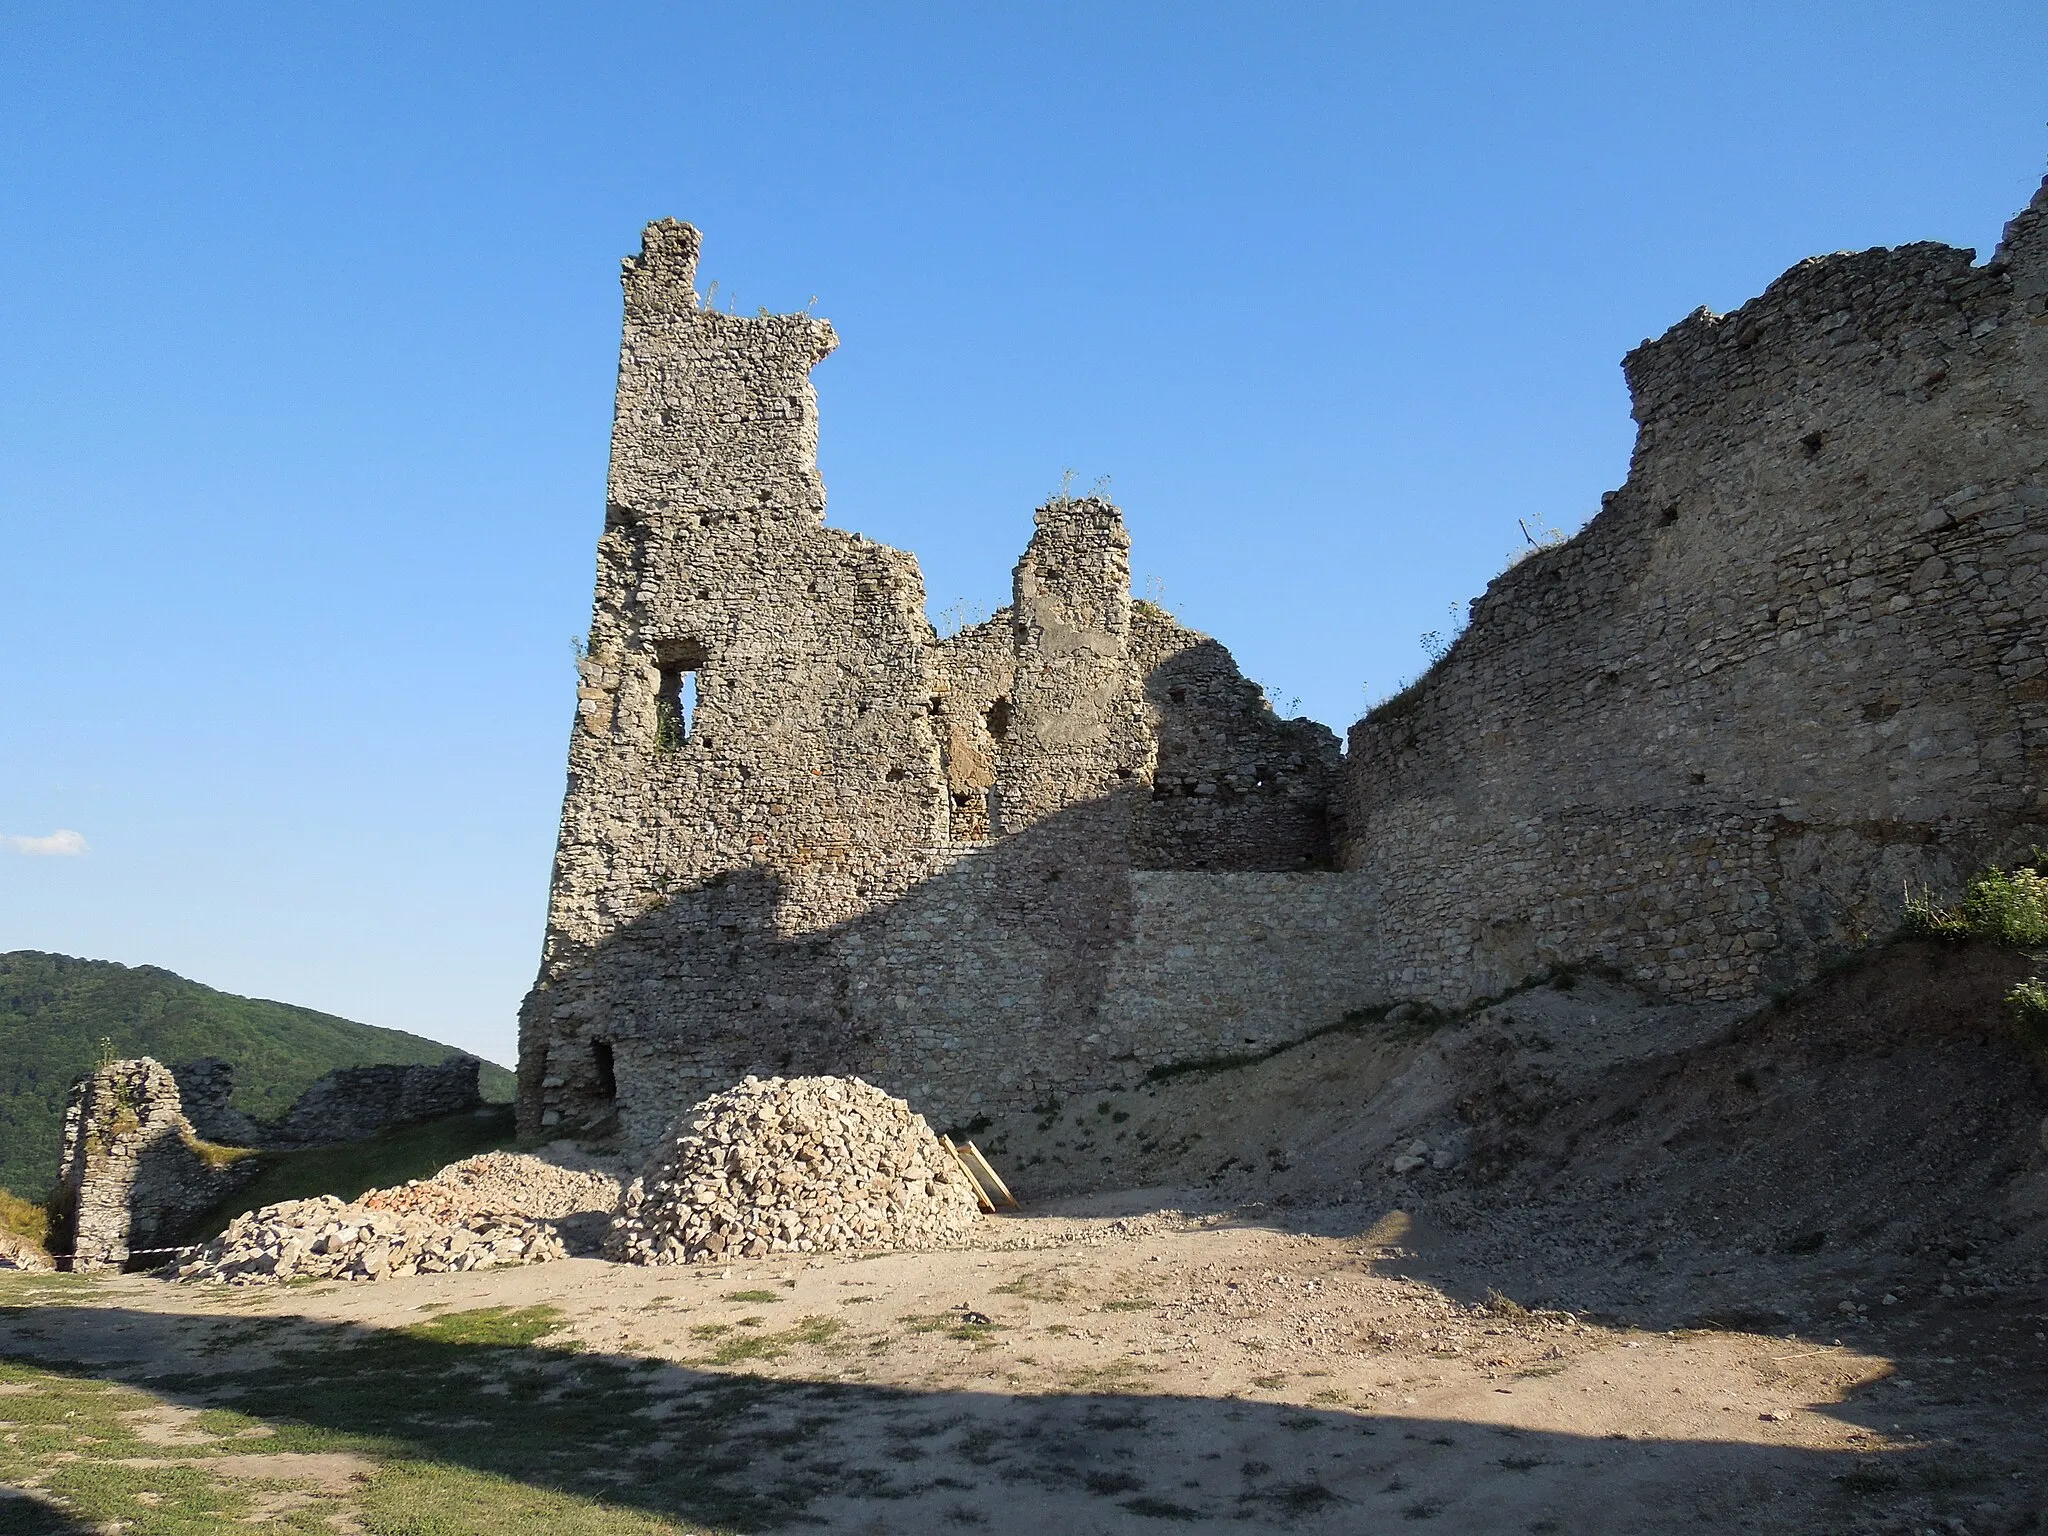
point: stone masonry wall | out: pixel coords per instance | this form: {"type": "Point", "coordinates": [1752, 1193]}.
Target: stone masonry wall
{"type": "Point", "coordinates": [134, 1173]}
{"type": "Point", "coordinates": [804, 834]}
{"type": "Point", "coordinates": [1794, 665]}
{"type": "Point", "coordinates": [347, 1104]}
{"type": "Point", "coordinates": [356, 1103]}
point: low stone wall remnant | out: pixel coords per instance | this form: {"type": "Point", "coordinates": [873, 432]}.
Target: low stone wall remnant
{"type": "Point", "coordinates": [135, 1174]}
{"type": "Point", "coordinates": [356, 1103]}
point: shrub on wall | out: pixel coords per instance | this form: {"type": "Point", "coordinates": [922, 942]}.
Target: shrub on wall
{"type": "Point", "coordinates": [2005, 906]}
{"type": "Point", "coordinates": [2029, 1004]}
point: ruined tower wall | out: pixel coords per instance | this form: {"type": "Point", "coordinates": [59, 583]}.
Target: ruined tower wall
{"type": "Point", "coordinates": [753, 754]}
{"type": "Point", "coordinates": [864, 849]}
{"type": "Point", "coordinates": [1794, 664]}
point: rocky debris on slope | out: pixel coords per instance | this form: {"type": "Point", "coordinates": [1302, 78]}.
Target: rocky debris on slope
{"type": "Point", "coordinates": [561, 1183]}
{"type": "Point", "coordinates": [793, 1165]}
{"type": "Point", "coordinates": [328, 1239]}
{"type": "Point", "coordinates": [574, 1194]}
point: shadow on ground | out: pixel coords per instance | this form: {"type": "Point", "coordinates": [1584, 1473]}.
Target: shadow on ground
{"type": "Point", "coordinates": [471, 1422]}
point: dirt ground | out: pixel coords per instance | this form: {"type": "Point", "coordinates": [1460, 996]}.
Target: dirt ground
{"type": "Point", "coordinates": [1575, 1264]}
{"type": "Point", "coordinates": [1192, 1369]}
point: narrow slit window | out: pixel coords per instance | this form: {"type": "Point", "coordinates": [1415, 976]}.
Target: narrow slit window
{"type": "Point", "coordinates": [607, 1079]}
{"type": "Point", "coordinates": [675, 694]}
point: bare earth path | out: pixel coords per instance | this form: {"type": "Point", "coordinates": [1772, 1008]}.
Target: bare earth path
{"type": "Point", "coordinates": [1074, 1372]}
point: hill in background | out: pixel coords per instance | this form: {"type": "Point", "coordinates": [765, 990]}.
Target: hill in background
{"type": "Point", "coordinates": [55, 1010]}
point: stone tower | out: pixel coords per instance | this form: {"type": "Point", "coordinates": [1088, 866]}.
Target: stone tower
{"type": "Point", "coordinates": [779, 776]}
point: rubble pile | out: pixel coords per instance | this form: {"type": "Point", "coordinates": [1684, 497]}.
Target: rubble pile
{"type": "Point", "coordinates": [328, 1239]}
{"type": "Point", "coordinates": [573, 1194]}
{"type": "Point", "coordinates": [483, 1212]}
{"type": "Point", "coordinates": [562, 1183]}
{"type": "Point", "coordinates": [793, 1165]}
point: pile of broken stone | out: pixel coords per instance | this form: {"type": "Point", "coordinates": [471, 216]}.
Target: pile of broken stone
{"type": "Point", "coordinates": [772, 1166]}
{"type": "Point", "coordinates": [793, 1165]}
{"type": "Point", "coordinates": [328, 1239]}
{"type": "Point", "coordinates": [481, 1213]}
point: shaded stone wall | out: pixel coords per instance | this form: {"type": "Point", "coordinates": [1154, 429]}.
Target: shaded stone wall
{"type": "Point", "coordinates": [347, 1104]}
{"type": "Point", "coordinates": [1794, 664]}
{"type": "Point", "coordinates": [205, 1086]}
{"type": "Point", "coordinates": [135, 1174]}
{"type": "Point", "coordinates": [355, 1103]}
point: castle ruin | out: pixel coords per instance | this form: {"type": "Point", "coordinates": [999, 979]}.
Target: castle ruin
{"type": "Point", "coordinates": [1795, 663]}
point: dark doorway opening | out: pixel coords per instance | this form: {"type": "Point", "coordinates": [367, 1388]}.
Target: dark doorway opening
{"type": "Point", "coordinates": [607, 1079]}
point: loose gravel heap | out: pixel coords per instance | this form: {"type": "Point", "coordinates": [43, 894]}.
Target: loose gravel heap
{"type": "Point", "coordinates": [483, 1212]}
{"type": "Point", "coordinates": [793, 1165]}
{"type": "Point", "coordinates": [563, 1183]}
{"type": "Point", "coordinates": [574, 1194]}
{"type": "Point", "coordinates": [328, 1239]}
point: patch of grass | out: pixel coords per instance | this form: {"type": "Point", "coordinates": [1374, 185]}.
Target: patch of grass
{"type": "Point", "coordinates": [24, 1218]}
{"type": "Point", "coordinates": [773, 1346]}
{"type": "Point", "coordinates": [71, 1435]}
{"type": "Point", "coordinates": [1108, 1483]}
{"type": "Point", "coordinates": [213, 1154]}
{"type": "Point", "coordinates": [952, 1325]}
{"type": "Point", "coordinates": [1116, 1376]}
{"type": "Point", "coordinates": [1500, 1305]}
{"type": "Point", "coordinates": [2028, 1004]}
{"type": "Point", "coordinates": [36, 1289]}
{"type": "Point", "coordinates": [1298, 1499]}
{"type": "Point", "coordinates": [1272, 1383]}
{"type": "Point", "coordinates": [2007, 907]}
{"type": "Point", "coordinates": [419, 1498]}
{"type": "Point", "coordinates": [1153, 1508]}
{"type": "Point", "coordinates": [1038, 1285]}
{"type": "Point", "coordinates": [540, 1452]}
{"type": "Point", "coordinates": [1868, 1477]}
{"type": "Point", "coordinates": [752, 1296]}
{"type": "Point", "coordinates": [492, 1327]}
{"type": "Point", "coordinates": [1129, 1304]}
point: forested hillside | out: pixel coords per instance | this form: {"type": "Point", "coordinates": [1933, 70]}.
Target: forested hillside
{"type": "Point", "coordinates": [55, 1010]}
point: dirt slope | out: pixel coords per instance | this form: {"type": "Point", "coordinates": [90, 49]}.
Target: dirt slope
{"type": "Point", "coordinates": [1881, 1129]}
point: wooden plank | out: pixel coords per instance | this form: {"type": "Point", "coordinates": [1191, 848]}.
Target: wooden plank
{"type": "Point", "coordinates": [982, 1165]}
{"type": "Point", "coordinates": [980, 1195]}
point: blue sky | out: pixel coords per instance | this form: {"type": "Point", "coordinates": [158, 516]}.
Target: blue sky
{"type": "Point", "coordinates": [308, 319]}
